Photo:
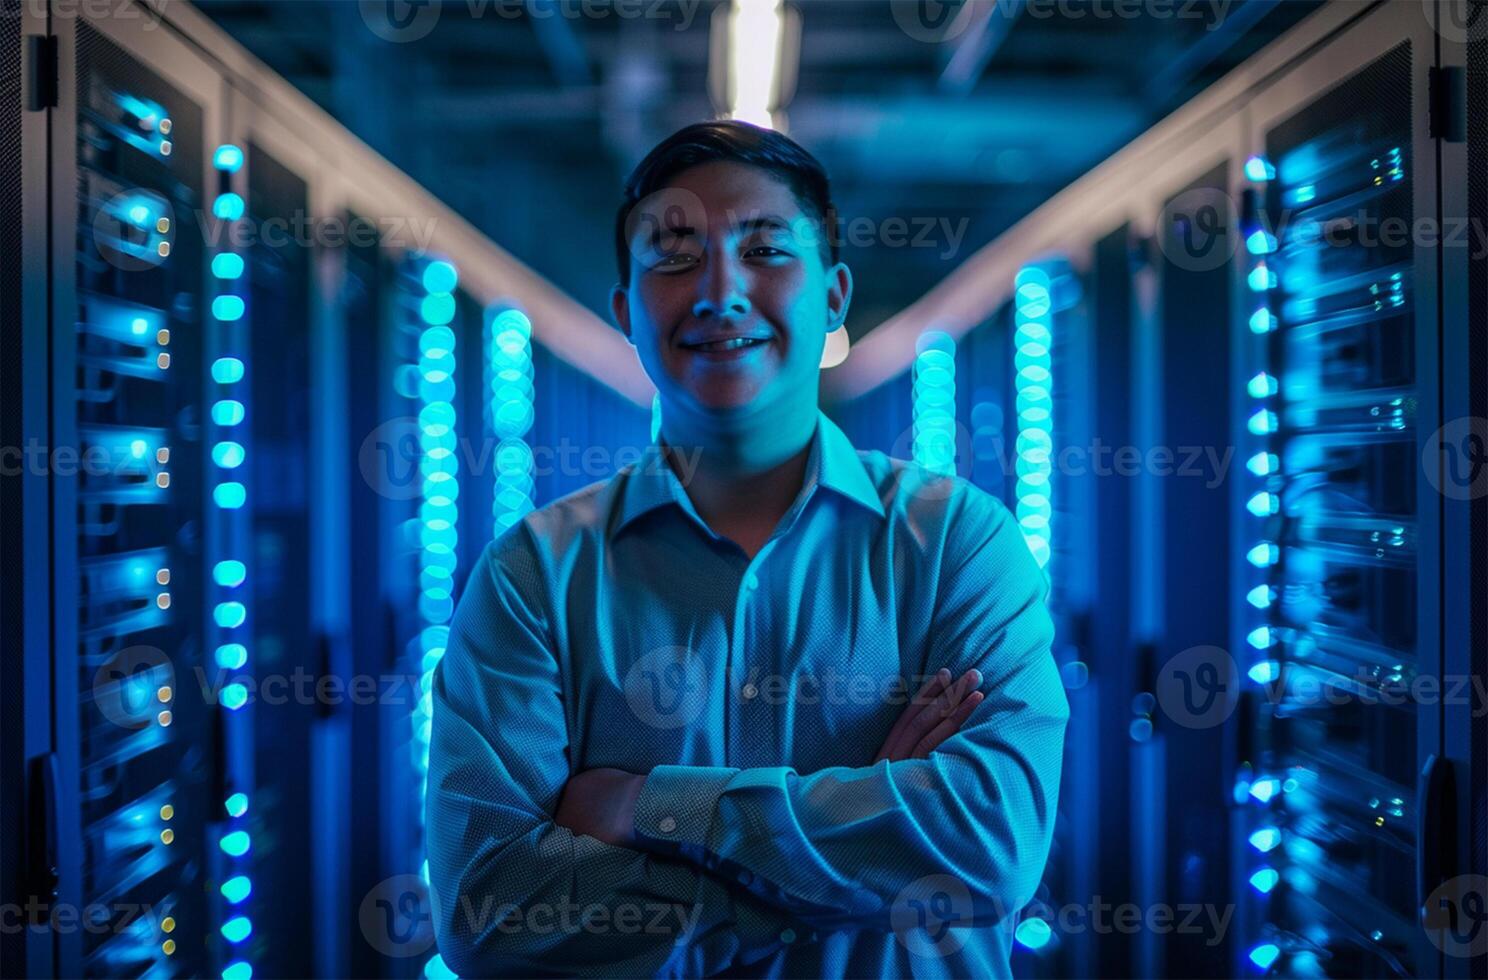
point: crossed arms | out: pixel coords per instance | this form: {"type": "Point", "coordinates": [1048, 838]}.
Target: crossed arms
{"type": "Point", "coordinates": [752, 860]}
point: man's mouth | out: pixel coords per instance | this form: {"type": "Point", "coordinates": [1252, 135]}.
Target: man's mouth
{"type": "Point", "coordinates": [732, 343]}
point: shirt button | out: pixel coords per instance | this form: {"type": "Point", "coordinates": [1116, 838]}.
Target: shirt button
{"type": "Point", "coordinates": [751, 581]}
{"type": "Point", "coordinates": [788, 936]}
{"type": "Point", "coordinates": [666, 825]}
{"type": "Point", "coordinates": [749, 691]}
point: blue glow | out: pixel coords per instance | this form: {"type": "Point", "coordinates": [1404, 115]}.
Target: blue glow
{"type": "Point", "coordinates": [227, 412]}
{"type": "Point", "coordinates": [236, 843]}
{"type": "Point", "coordinates": [1263, 555]}
{"type": "Point", "coordinates": [237, 929]}
{"type": "Point", "coordinates": [236, 889]}
{"type": "Point", "coordinates": [1263, 504]}
{"type": "Point", "coordinates": [1264, 672]}
{"type": "Point", "coordinates": [1262, 464]}
{"type": "Point", "coordinates": [238, 970]}
{"type": "Point", "coordinates": [228, 455]}
{"type": "Point", "coordinates": [236, 804]}
{"type": "Point", "coordinates": [227, 370]}
{"type": "Point", "coordinates": [1260, 596]}
{"type": "Point", "coordinates": [436, 970]}
{"type": "Point", "coordinates": [1262, 321]}
{"type": "Point", "coordinates": [139, 326]}
{"type": "Point", "coordinates": [437, 341]}
{"type": "Point", "coordinates": [1033, 933]}
{"type": "Point", "coordinates": [228, 158]}
{"type": "Point", "coordinates": [234, 696]}
{"type": "Point", "coordinates": [1262, 386]}
{"type": "Point", "coordinates": [1259, 170]}
{"type": "Point", "coordinates": [227, 265]}
{"type": "Point", "coordinates": [437, 308]}
{"type": "Point", "coordinates": [1264, 955]}
{"type": "Point", "coordinates": [229, 496]}
{"type": "Point", "coordinates": [1264, 880]}
{"type": "Point", "coordinates": [1265, 839]}
{"type": "Point", "coordinates": [1260, 243]}
{"type": "Point", "coordinates": [1262, 422]}
{"type": "Point", "coordinates": [230, 615]}
{"type": "Point", "coordinates": [1262, 637]}
{"type": "Point", "coordinates": [228, 308]}
{"type": "Point", "coordinates": [229, 573]}
{"type": "Point", "coordinates": [231, 656]}
{"type": "Point", "coordinates": [1264, 789]}
{"type": "Point", "coordinates": [228, 207]}
{"type": "Point", "coordinates": [440, 277]}
{"type": "Point", "coordinates": [1261, 279]}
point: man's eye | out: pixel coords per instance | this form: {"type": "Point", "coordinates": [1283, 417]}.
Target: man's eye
{"type": "Point", "coordinates": [675, 261]}
{"type": "Point", "coordinates": [766, 252]}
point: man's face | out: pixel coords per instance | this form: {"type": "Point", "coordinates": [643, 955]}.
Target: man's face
{"type": "Point", "coordinates": [729, 301]}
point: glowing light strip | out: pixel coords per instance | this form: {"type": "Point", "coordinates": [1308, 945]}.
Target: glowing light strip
{"type": "Point", "coordinates": [1033, 384]}
{"type": "Point", "coordinates": [755, 36]}
{"type": "Point", "coordinates": [229, 572]}
{"type": "Point", "coordinates": [934, 402]}
{"type": "Point", "coordinates": [510, 413]}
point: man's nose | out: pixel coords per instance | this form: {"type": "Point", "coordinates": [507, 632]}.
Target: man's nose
{"type": "Point", "coordinates": [722, 290]}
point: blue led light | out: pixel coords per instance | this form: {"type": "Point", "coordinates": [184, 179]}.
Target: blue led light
{"type": "Point", "coordinates": [228, 207]}
{"type": "Point", "coordinates": [227, 412]}
{"type": "Point", "coordinates": [1260, 242]}
{"type": "Point", "coordinates": [139, 326]}
{"type": "Point", "coordinates": [227, 265]}
{"type": "Point", "coordinates": [236, 805]}
{"type": "Point", "coordinates": [1264, 672]}
{"type": "Point", "coordinates": [236, 889]}
{"type": "Point", "coordinates": [1262, 321]}
{"type": "Point", "coordinates": [228, 158]}
{"type": "Point", "coordinates": [1263, 504]}
{"type": "Point", "coordinates": [437, 308]}
{"type": "Point", "coordinates": [440, 277]}
{"type": "Point", "coordinates": [228, 455]}
{"type": "Point", "coordinates": [236, 843]}
{"type": "Point", "coordinates": [1265, 839]}
{"type": "Point", "coordinates": [436, 970]}
{"type": "Point", "coordinates": [1264, 955]}
{"type": "Point", "coordinates": [1261, 596]}
{"type": "Point", "coordinates": [234, 696]}
{"type": "Point", "coordinates": [1262, 464]}
{"type": "Point", "coordinates": [1033, 933]}
{"type": "Point", "coordinates": [238, 970]}
{"type": "Point", "coordinates": [1259, 170]}
{"type": "Point", "coordinates": [1261, 279]}
{"type": "Point", "coordinates": [1262, 637]}
{"type": "Point", "coordinates": [1263, 555]}
{"type": "Point", "coordinates": [230, 615]}
{"type": "Point", "coordinates": [228, 308]}
{"type": "Point", "coordinates": [237, 929]}
{"type": "Point", "coordinates": [1264, 789]}
{"type": "Point", "coordinates": [227, 370]}
{"type": "Point", "coordinates": [1261, 386]}
{"type": "Point", "coordinates": [230, 573]}
{"type": "Point", "coordinates": [231, 656]}
{"type": "Point", "coordinates": [1262, 422]}
{"type": "Point", "coordinates": [229, 496]}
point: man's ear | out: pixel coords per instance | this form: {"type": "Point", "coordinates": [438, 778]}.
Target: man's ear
{"type": "Point", "coordinates": [620, 309]}
{"type": "Point", "coordinates": [839, 295]}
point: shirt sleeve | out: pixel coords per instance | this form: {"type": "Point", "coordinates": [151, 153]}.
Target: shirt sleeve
{"type": "Point", "coordinates": [513, 893]}
{"type": "Point", "coordinates": [862, 846]}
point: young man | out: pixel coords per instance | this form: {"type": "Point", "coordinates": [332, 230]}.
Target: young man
{"type": "Point", "coordinates": [672, 730]}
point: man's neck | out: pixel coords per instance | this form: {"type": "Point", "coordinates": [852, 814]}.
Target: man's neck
{"type": "Point", "coordinates": [744, 478]}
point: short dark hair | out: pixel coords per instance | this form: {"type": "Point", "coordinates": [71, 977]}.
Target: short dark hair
{"type": "Point", "coordinates": [739, 142]}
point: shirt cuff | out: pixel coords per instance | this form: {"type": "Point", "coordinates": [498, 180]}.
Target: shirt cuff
{"type": "Point", "coordinates": [674, 813]}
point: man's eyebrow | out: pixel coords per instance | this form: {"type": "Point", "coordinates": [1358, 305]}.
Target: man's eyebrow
{"type": "Point", "coordinates": [768, 222]}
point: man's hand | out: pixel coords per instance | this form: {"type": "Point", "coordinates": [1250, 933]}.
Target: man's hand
{"type": "Point", "coordinates": [600, 803]}
{"type": "Point", "coordinates": [935, 714]}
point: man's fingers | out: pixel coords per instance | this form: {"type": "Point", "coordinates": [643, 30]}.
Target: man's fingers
{"type": "Point", "coordinates": [924, 719]}
{"type": "Point", "coordinates": [949, 726]}
{"type": "Point", "coordinates": [925, 695]}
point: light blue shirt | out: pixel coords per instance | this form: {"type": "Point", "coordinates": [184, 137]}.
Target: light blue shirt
{"type": "Point", "coordinates": [612, 627]}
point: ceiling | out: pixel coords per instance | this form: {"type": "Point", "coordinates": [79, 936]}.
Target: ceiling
{"type": "Point", "coordinates": [525, 115]}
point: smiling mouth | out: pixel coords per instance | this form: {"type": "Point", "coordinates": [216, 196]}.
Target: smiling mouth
{"type": "Point", "coordinates": [733, 343]}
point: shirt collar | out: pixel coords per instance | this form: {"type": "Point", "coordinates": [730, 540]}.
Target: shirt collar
{"type": "Point", "coordinates": [834, 463]}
